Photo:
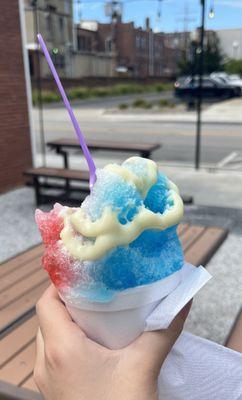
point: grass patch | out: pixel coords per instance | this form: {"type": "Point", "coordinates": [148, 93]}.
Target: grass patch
{"type": "Point", "coordinates": [166, 103]}
{"type": "Point", "coordinates": [47, 97]}
{"type": "Point", "coordinates": [123, 106]}
{"type": "Point", "coordinates": [141, 103]}
{"type": "Point", "coordinates": [81, 93]}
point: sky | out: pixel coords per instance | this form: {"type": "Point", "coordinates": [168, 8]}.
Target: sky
{"type": "Point", "coordinates": [228, 13]}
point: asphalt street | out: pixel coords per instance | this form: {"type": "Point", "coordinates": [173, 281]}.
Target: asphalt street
{"type": "Point", "coordinates": [177, 139]}
{"type": "Point", "coordinates": [114, 101]}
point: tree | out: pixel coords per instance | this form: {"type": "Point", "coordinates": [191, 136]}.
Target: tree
{"type": "Point", "coordinates": [233, 66]}
{"type": "Point", "coordinates": [213, 56]}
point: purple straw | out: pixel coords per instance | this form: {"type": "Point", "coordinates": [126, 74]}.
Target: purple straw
{"type": "Point", "coordinates": [90, 162]}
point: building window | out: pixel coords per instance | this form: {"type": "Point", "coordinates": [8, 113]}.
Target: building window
{"type": "Point", "coordinates": [108, 45]}
{"type": "Point", "coordinates": [51, 8]}
{"type": "Point", "coordinates": [67, 6]}
{"type": "Point", "coordinates": [89, 44]}
{"type": "Point", "coordinates": [49, 27]}
{"type": "Point", "coordinates": [31, 64]}
{"type": "Point", "coordinates": [59, 60]}
{"type": "Point", "coordinates": [137, 41]}
{"type": "Point", "coordinates": [84, 43]}
{"type": "Point", "coordinates": [161, 69]}
{"type": "Point", "coordinates": [143, 42]}
{"type": "Point", "coordinates": [80, 43]}
{"type": "Point", "coordinates": [62, 28]}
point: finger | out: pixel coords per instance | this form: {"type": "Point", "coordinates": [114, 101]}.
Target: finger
{"type": "Point", "coordinates": [40, 349]}
{"type": "Point", "coordinates": [158, 344]}
{"type": "Point", "coordinates": [54, 319]}
{"type": "Point", "coordinates": [39, 368]}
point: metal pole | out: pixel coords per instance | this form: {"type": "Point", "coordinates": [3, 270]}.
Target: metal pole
{"type": "Point", "coordinates": [199, 96]}
{"type": "Point", "coordinates": [113, 35]}
{"type": "Point", "coordinates": [39, 86]}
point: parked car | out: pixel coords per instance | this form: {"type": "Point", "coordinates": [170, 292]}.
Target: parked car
{"type": "Point", "coordinates": [233, 80]}
{"type": "Point", "coordinates": [211, 88]}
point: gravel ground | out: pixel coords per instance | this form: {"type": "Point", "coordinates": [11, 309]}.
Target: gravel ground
{"type": "Point", "coordinates": [216, 305]}
{"type": "Point", "coordinates": [18, 230]}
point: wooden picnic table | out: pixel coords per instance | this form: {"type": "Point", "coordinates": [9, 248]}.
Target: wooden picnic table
{"type": "Point", "coordinates": [23, 280]}
{"type": "Point", "coordinates": [62, 147]}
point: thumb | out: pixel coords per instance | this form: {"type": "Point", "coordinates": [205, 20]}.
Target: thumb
{"type": "Point", "coordinates": [156, 345]}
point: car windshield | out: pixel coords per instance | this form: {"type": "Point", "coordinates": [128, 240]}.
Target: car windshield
{"type": "Point", "coordinates": [205, 82]}
{"type": "Point", "coordinates": [234, 77]}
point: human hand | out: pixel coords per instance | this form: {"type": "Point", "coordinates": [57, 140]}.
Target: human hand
{"type": "Point", "coordinates": [70, 366]}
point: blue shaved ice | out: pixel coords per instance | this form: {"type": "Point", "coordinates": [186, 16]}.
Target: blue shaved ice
{"type": "Point", "coordinates": [152, 256]}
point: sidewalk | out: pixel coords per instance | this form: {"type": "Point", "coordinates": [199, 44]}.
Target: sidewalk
{"type": "Point", "coordinates": [208, 188]}
{"type": "Point", "coordinates": [226, 112]}
{"type": "Point", "coordinates": [214, 189]}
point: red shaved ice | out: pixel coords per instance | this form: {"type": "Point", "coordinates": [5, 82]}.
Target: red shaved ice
{"type": "Point", "coordinates": [50, 224]}
{"type": "Point", "coordinates": [59, 265]}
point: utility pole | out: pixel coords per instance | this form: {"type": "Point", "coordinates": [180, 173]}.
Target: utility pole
{"type": "Point", "coordinates": [77, 3]}
{"type": "Point", "coordinates": [113, 9]}
{"type": "Point", "coordinates": [34, 4]}
{"type": "Point", "coordinates": [199, 97]}
{"type": "Point", "coordinates": [186, 19]}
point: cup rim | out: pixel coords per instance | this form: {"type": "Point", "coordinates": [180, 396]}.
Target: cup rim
{"type": "Point", "coordinates": [130, 298]}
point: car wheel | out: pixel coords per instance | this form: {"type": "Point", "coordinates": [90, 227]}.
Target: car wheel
{"type": "Point", "coordinates": [238, 92]}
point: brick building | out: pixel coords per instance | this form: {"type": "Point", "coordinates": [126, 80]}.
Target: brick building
{"type": "Point", "coordinates": [96, 49]}
{"type": "Point", "coordinates": [88, 59]}
{"type": "Point", "coordinates": [15, 147]}
{"type": "Point", "coordinates": [54, 19]}
{"type": "Point", "coordinates": [142, 51]}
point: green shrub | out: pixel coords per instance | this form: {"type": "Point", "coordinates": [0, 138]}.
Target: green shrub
{"type": "Point", "coordinates": [47, 97]}
{"type": "Point", "coordinates": [163, 103]}
{"type": "Point", "coordinates": [141, 103]}
{"type": "Point", "coordinates": [123, 106]}
{"type": "Point", "coordinates": [166, 103]}
{"type": "Point", "coordinates": [100, 92]}
{"type": "Point", "coordinates": [233, 66]}
{"type": "Point", "coordinates": [79, 93]}
{"type": "Point", "coordinates": [159, 87]}
{"type": "Point", "coordinates": [148, 105]}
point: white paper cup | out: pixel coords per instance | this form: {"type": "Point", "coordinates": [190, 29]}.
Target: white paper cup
{"type": "Point", "coordinates": [117, 323]}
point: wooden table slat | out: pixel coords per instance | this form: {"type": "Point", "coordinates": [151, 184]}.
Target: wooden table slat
{"type": "Point", "coordinates": [190, 236]}
{"type": "Point", "coordinates": [181, 229]}
{"type": "Point", "coordinates": [19, 274]}
{"type": "Point", "coordinates": [205, 246]}
{"type": "Point", "coordinates": [21, 259]}
{"type": "Point", "coordinates": [16, 309]}
{"type": "Point", "coordinates": [20, 366]}
{"type": "Point", "coordinates": [106, 144]}
{"type": "Point", "coordinates": [17, 339]}
{"type": "Point", "coordinates": [15, 292]}
{"type": "Point", "coordinates": [73, 174]}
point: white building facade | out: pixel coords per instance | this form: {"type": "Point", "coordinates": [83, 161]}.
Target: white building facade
{"type": "Point", "coordinates": [231, 42]}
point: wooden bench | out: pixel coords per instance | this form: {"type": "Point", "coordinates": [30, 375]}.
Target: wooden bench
{"type": "Point", "coordinates": [64, 191]}
{"type": "Point", "coordinates": [63, 146]}
{"type": "Point", "coordinates": [62, 186]}
{"type": "Point", "coordinates": [22, 281]}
